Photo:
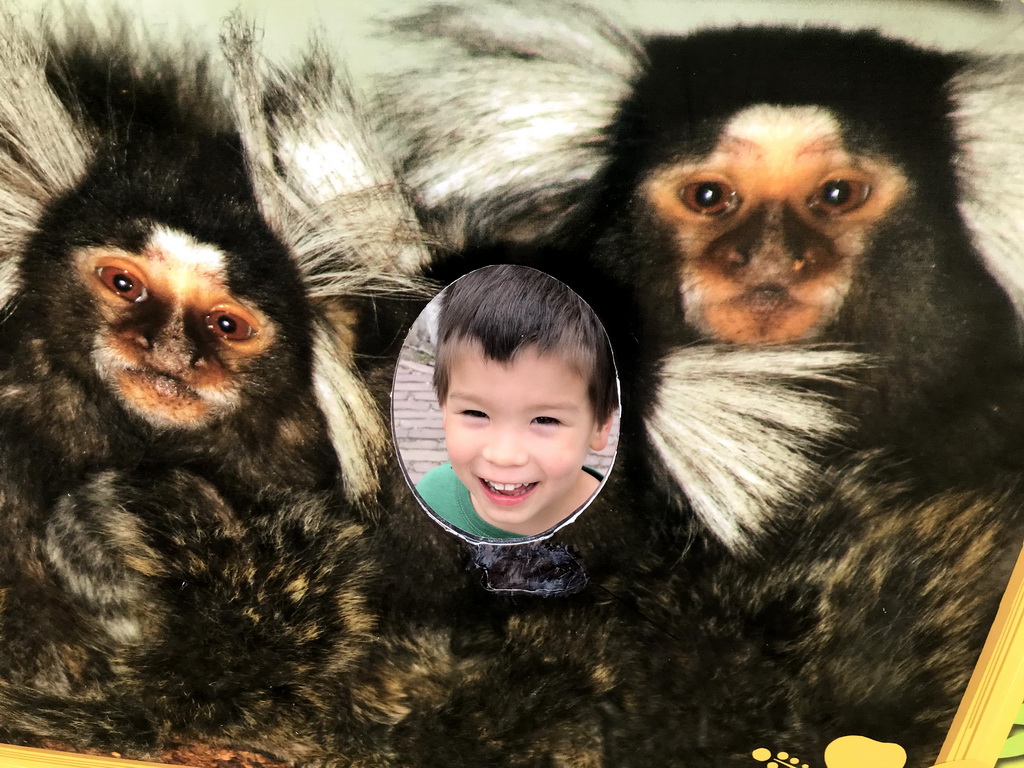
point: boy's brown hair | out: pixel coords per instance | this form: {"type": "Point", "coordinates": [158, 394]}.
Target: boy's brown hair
{"type": "Point", "coordinates": [507, 309]}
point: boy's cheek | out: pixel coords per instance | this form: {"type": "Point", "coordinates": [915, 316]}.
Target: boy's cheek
{"type": "Point", "coordinates": [565, 463]}
{"type": "Point", "coordinates": [461, 447]}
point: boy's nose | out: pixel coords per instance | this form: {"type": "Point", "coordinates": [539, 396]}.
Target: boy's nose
{"type": "Point", "coordinates": [504, 450]}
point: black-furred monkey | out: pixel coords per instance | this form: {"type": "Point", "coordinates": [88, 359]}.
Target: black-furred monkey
{"type": "Point", "coordinates": [745, 190]}
{"type": "Point", "coordinates": [187, 458]}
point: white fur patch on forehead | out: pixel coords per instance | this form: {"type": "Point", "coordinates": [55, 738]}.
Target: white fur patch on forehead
{"type": "Point", "coordinates": [169, 245]}
{"type": "Point", "coordinates": [765, 125]}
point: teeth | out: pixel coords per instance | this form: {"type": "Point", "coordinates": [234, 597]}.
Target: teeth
{"type": "Point", "coordinates": [505, 487]}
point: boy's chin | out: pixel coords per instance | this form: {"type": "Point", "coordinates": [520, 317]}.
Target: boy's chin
{"type": "Point", "coordinates": [528, 521]}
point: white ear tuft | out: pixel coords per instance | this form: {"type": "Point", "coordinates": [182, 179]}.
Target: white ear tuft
{"type": "Point", "coordinates": [988, 97]}
{"type": "Point", "coordinates": [43, 153]}
{"type": "Point", "coordinates": [355, 423]}
{"type": "Point", "coordinates": [737, 431]}
{"type": "Point", "coordinates": [321, 172]}
{"type": "Point", "coordinates": [506, 130]}
{"type": "Point", "coordinates": [324, 186]}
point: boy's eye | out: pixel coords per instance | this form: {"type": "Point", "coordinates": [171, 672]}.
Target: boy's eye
{"type": "Point", "coordinates": [546, 420]}
{"type": "Point", "coordinates": [474, 414]}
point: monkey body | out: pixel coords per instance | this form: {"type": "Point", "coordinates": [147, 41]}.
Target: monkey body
{"type": "Point", "coordinates": [754, 190]}
{"type": "Point", "coordinates": [808, 632]}
{"type": "Point", "coordinates": [180, 561]}
{"type": "Point", "coordinates": [814, 639]}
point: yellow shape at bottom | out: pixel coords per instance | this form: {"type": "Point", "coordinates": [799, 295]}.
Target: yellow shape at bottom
{"type": "Point", "coordinates": [862, 752]}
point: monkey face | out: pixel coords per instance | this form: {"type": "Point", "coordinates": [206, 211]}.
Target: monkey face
{"type": "Point", "coordinates": [769, 226]}
{"type": "Point", "coordinates": [173, 342]}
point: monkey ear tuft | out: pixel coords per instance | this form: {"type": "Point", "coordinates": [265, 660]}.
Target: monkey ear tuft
{"type": "Point", "coordinates": [505, 131]}
{"type": "Point", "coordinates": [988, 99]}
{"type": "Point", "coordinates": [43, 151]}
{"type": "Point", "coordinates": [737, 431]}
{"type": "Point", "coordinates": [321, 171]}
{"type": "Point", "coordinates": [71, 81]}
{"type": "Point", "coordinates": [324, 186]}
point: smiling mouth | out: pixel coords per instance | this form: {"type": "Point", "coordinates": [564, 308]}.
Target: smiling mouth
{"type": "Point", "coordinates": [508, 490]}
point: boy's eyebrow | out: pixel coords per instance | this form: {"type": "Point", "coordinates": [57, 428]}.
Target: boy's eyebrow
{"type": "Point", "coordinates": [452, 394]}
{"type": "Point", "coordinates": [557, 406]}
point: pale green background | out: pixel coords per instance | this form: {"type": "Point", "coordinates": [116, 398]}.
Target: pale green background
{"type": "Point", "coordinates": [348, 23]}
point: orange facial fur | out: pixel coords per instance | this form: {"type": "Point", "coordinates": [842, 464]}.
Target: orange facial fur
{"type": "Point", "coordinates": [173, 340]}
{"type": "Point", "coordinates": [771, 224]}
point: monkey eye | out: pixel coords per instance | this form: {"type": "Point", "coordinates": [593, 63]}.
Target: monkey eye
{"type": "Point", "coordinates": [710, 198]}
{"type": "Point", "coordinates": [230, 325]}
{"type": "Point", "coordinates": [123, 283]}
{"type": "Point", "coordinates": [839, 196]}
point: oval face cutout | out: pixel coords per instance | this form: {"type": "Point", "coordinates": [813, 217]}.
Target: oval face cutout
{"type": "Point", "coordinates": [505, 406]}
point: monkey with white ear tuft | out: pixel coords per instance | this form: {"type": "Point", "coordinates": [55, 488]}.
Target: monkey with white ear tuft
{"type": "Point", "coordinates": [751, 193]}
{"type": "Point", "coordinates": [183, 552]}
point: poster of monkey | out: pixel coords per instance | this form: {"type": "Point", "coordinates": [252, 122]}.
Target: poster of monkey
{"type": "Point", "coordinates": [513, 383]}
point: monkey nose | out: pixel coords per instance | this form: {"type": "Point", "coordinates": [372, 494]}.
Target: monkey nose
{"type": "Point", "coordinates": [175, 354]}
{"type": "Point", "coordinates": [766, 297]}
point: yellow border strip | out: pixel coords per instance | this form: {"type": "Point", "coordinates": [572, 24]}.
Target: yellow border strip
{"type": "Point", "coordinates": [996, 690]}
{"type": "Point", "coordinates": [26, 757]}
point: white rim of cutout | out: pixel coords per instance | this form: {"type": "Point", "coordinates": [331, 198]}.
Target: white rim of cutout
{"type": "Point", "coordinates": [471, 538]}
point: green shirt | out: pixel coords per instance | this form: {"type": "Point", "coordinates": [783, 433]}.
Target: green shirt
{"type": "Point", "coordinates": [445, 494]}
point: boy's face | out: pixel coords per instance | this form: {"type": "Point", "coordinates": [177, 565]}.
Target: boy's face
{"type": "Point", "coordinates": [518, 435]}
